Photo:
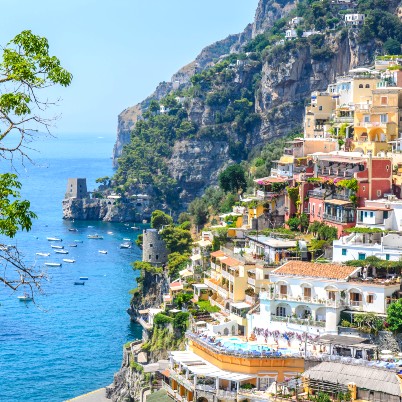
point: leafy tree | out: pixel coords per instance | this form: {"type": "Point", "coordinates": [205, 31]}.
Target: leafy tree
{"type": "Point", "coordinates": [177, 262]}
{"type": "Point", "coordinates": [233, 179]}
{"type": "Point", "coordinates": [25, 69]}
{"type": "Point", "coordinates": [159, 219]}
{"type": "Point", "coordinates": [199, 209]}
{"type": "Point", "coordinates": [294, 223]}
{"type": "Point", "coordinates": [182, 298]}
{"type": "Point", "coordinates": [177, 239]}
{"type": "Point", "coordinates": [394, 316]}
{"type": "Point", "coordinates": [184, 217]}
{"type": "Point", "coordinates": [392, 46]}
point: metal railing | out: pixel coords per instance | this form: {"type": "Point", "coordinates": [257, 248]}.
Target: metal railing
{"type": "Point", "coordinates": [340, 219]}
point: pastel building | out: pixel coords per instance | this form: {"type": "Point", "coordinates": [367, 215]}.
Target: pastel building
{"type": "Point", "coordinates": [310, 296]}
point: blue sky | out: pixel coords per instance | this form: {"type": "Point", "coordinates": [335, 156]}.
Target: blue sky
{"type": "Point", "coordinates": [118, 51]}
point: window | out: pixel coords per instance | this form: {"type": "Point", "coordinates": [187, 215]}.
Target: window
{"type": "Point", "coordinates": [266, 276]}
{"type": "Point", "coordinates": [367, 85]}
{"type": "Point", "coordinates": [362, 256]}
{"type": "Point", "coordinates": [157, 257]}
{"type": "Point", "coordinates": [331, 295]}
{"type": "Point", "coordinates": [384, 100]}
{"type": "Point", "coordinates": [378, 193]}
{"type": "Point", "coordinates": [281, 311]}
{"type": "Point", "coordinates": [283, 290]}
{"type": "Point", "coordinates": [387, 257]}
{"type": "Point", "coordinates": [307, 292]}
{"type": "Point", "coordinates": [150, 256]}
{"type": "Point", "coordinates": [371, 214]}
{"type": "Point", "coordinates": [344, 251]}
{"type": "Point", "coordinates": [320, 108]}
{"type": "Point", "coordinates": [365, 214]}
{"type": "Point", "coordinates": [370, 299]}
{"type": "Point", "coordinates": [151, 245]}
{"type": "Point", "coordinates": [364, 188]}
{"type": "Point", "coordinates": [384, 118]}
{"type": "Point", "coordinates": [385, 215]}
{"type": "Point", "coordinates": [366, 118]}
{"type": "Point", "coordinates": [360, 85]}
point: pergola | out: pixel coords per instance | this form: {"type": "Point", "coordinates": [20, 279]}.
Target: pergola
{"type": "Point", "coordinates": [193, 364]}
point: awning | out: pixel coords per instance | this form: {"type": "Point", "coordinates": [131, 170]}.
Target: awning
{"type": "Point", "coordinates": [286, 159]}
{"type": "Point", "coordinates": [338, 202]}
{"type": "Point", "coordinates": [185, 272]}
{"type": "Point", "coordinates": [241, 305]}
{"type": "Point", "coordinates": [142, 312]}
{"type": "Point", "coordinates": [195, 257]}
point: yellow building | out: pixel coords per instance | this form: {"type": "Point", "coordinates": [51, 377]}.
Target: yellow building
{"type": "Point", "coordinates": [379, 124]}
{"type": "Point", "coordinates": [318, 114]}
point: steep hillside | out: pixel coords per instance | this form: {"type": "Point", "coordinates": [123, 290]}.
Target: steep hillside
{"type": "Point", "coordinates": [241, 92]}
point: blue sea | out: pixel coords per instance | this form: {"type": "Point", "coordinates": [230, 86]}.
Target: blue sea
{"type": "Point", "coordinates": [71, 341]}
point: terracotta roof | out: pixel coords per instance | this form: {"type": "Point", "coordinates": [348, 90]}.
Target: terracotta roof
{"type": "Point", "coordinates": [176, 285]}
{"type": "Point", "coordinates": [375, 209]}
{"type": "Point", "coordinates": [309, 269]}
{"type": "Point", "coordinates": [338, 202]}
{"type": "Point", "coordinates": [218, 253]}
{"type": "Point", "coordinates": [268, 180]}
{"type": "Point", "coordinates": [231, 262]}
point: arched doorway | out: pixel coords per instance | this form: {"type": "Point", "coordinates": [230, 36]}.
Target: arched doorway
{"type": "Point", "coordinates": [303, 311]}
{"type": "Point", "coordinates": [283, 310]}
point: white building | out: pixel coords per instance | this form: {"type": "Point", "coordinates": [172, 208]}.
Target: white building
{"type": "Point", "coordinates": [295, 21]}
{"type": "Point", "coordinates": [290, 33]}
{"type": "Point", "coordinates": [270, 249]}
{"type": "Point", "coordinates": [359, 246]}
{"type": "Point", "coordinates": [354, 19]}
{"type": "Point", "coordinates": [310, 296]}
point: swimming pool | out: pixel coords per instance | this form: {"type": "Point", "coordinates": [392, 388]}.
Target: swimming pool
{"type": "Point", "coordinates": [238, 344]}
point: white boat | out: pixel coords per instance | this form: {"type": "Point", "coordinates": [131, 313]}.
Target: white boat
{"type": "Point", "coordinates": [53, 264]}
{"type": "Point", "coordinates": [78, 241]}
{"type": "Point", "coordinates": [103, 251]}
{"type": "Point", "coordinates": [73, 230]}
{"type": "Point", "coordinates": [125, 245]}
{"type": "Point", "coordinates": [53, 239]}
{"type": "Point", "coordinates": [57, 247]}
{"type": "Point", "coordinates": [69, 260]}
{"type": "Point", "coordinates": [127, 239]}
{"type": "Point", "coordinates": [72, 245]}
{"type": "Point", "coordinates": [61, 251]}
{"type": "Point", "coordinates": [95, 236]}
{"type": "Point", "coordinates": [144, 221]}
{"type": "Point", "coordinates": [25, 297]}
{"type": "Point", "coordinates": [135, 228]}
{"type": "Point", "coordinates": [43, 254]}
{"type": "Point", "coordinates": [109, 233]}
{"type": "Point", "coordinates": [83, 278]}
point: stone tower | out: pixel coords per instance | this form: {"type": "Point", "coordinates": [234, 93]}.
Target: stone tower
{"type": "Point", "coordinates": [77, 188]}
{"type": "Point", "coordinates": [153, 248]}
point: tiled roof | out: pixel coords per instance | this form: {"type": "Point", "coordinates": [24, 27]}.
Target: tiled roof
{"type": "Point", "coordinates": [231, 262]}
{"type": "Point", "coordinates": [310, 269]}
{"type": "Point", "coordinates": [218, 253]}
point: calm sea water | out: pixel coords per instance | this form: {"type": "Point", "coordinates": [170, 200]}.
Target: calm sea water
{"type": "Point", "coordinates": [72, 344]}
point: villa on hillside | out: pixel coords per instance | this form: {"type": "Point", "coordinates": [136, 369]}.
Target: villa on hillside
{"type": "Point", "coordinates": [310, 296]}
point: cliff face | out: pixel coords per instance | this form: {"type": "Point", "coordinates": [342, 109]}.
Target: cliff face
{"type": "Point", "coordinates": [103, 209]}
{"type": "Point", "coordinates": [280, 82]}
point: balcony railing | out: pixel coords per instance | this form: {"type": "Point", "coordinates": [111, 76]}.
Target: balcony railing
{"type": "Point", "coordinates": [303, 299]}
{"type": "Point", "coordinates": [264, 195]}
{"type": "Point", "coordinates": [223, 293]}
{"type": "Point", "coordinates": [211, 284]}
{"type": "Point", "coordinates": [298, 321]}
{"type": "Point", "coordinates": [316, 194]}
{"type": "Point", "coordinates": [344, 197]}
{"type": "Point", "coordinates": [339, 219]}
{"type": "Point", "coordinates": [251, 281]}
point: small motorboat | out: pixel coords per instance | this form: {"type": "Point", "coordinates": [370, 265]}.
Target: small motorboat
{"type": "Point", "coordinates": [79, 283]}
{"type": "Point", "coordinates": [125, 245]}
{"type": "Point", "coordinates": [57, 247]}
{"type": "Point", "coordinates": [61, 251]}
{"type": "Point", "coordinates": [95, 236]}
{"type": "Point", "coordinates": [127, 239]}
{"type": "Point", "coordinates": [53, 264]}
{"type": "Point", "coordinates": [73, 230]}
{"type": "Point", "coordinates": [72, 245]}
{"type": "Point", "coordinates": [69, 260]}
{"type": "Point", "coordinates": [53, 239]}
{"type": "Point", "coordinates": [110, 233]}
{"type": "Point", "coordinates": [25, 297]}
{"type": "Point", "coordinates": [135, 228]}
{"type": "Point", "coordinates": [83, 278]}
{"type": "Point", "coordinates": [78, 241]}
{"type": "Point", "coordinates": [103, 251]}
{"type": "Point", "coordinates": [43, 254]}
{"type": "Point", "coordinates": [144, 221]}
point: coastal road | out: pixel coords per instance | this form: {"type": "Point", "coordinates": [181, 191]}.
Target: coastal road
{"type": "Point", "coordinates": [95, 396]}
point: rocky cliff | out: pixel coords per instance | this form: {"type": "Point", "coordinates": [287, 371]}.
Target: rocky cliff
{"type": "Point", "coordinates": [258, 95]}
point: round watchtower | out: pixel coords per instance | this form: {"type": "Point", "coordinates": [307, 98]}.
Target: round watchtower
{"type": "Point", "coordinates": [153, 248]}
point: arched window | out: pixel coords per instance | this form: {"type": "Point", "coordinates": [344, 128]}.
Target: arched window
{"type": "Point", "coordinates": [367, 85]}
{"type": "Point", "coordinates": [360, 85]}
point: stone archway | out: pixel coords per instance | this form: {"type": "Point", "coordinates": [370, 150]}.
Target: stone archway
{"type": "Point", "coordinates": [303, 311]}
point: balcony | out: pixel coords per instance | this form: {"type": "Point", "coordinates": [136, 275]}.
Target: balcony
{"type": "Point", "coordinates": [211, 284]}
{"type": "Point", "coordinates": [344, 197]}
{"type": "Point", "coordinates": [302, 299]}
{"type": "Point", "coordinates": [339, 219]}
{"type": "Point", "coordinates": [265, 195]}
{"type": "Point", "coordinates": [298, 321]}
{"type": "Point", "coordinates": [223, 292]}
{"type": "Point", "coordinates": [251, 281]}
{"type": "Point", "coordinates": [317, 194]}
{"type": "Point", "coordinates": [281, 172]}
